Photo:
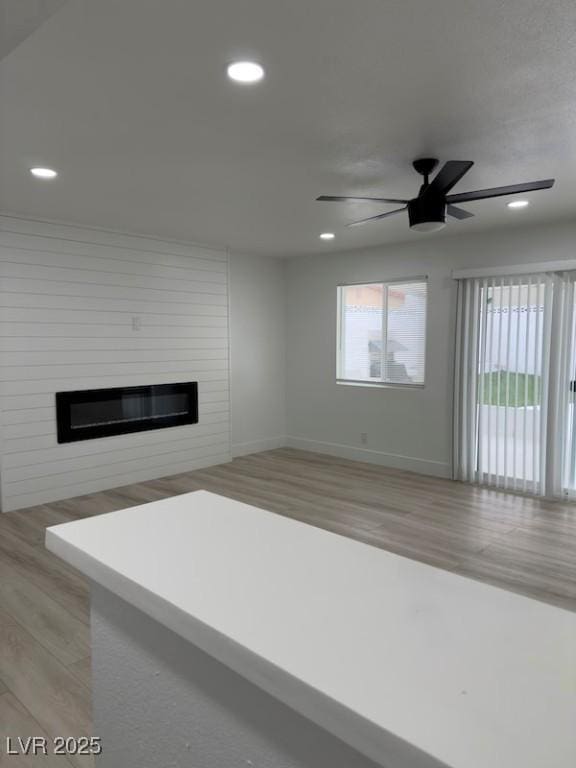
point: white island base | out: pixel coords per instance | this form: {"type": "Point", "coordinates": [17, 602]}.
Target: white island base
{"type": "Point", "coordinates": [225, 636]}
{"type": "Point", "coordinates": [159, 701]}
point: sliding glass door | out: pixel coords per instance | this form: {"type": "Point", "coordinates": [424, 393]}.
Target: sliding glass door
{"type": "Point", "coordinates": [511, 387]}
{"type": "Point", "coordinates": [515, 411]}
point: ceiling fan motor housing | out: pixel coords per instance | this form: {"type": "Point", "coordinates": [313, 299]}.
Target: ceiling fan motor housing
{"type": "Point", "coordinates": [427, 214]}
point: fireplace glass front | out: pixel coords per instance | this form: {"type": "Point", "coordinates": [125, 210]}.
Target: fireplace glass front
{"type": "Point", "coordinates": [88, 414]}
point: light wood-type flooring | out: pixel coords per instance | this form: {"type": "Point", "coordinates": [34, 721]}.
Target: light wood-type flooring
{"type": "Point", "coordinates": [522, 544]}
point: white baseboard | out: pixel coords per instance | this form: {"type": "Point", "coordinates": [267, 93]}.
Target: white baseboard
{"type": "Point", "coordinates": [410, 463]}
{"type": "Point", "coordinates": [257, 446]}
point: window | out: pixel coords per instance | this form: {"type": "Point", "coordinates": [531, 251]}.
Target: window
{"type": "Point", "coordinates": [382, 332]}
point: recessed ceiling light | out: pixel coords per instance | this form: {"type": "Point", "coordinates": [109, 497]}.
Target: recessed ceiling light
{"type": "Point", "coordinates": [327, 236]}
{"type": "Point", "coordinates": [518, 204]}
{"type": "Point", "coordinates": [245, 71]}
{"type": "Point", "coordinates": [44, 173]}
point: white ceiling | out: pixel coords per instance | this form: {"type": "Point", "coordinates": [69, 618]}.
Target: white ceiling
{"type": "Point", "coordinates": [20, 18]}
{"type": "Point", "coordinates": [129, 101]}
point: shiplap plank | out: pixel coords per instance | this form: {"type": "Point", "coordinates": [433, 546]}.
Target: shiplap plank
{"type": "Point", "coordinates": [31, 415]}
{"type": "Point", "coordinates": [42, 427]}
{"type": "Point", "coordinates": [76, 463]}
{"type": "Point", "coordinates": [49, 372]}
{"type": "Point", "coordinates": [203, 315]}
{"type": "Point", "coordinates": [140, 245]}
{"type": "Point", "coordinates": [30, 429]}
{"type": "Point", "coordinates": [37, 279]}
{"type": "Point", "coordinates": [23, 345]}
{"type": "Point", "coordinates": [209, 437]}
{"type": "Point", "coordinates": [127, 466]}
{"type": "Point", "coordinates": [197, 329]}
{"type": "Point", "coordinates": [201, 307]}
{"type": "Point", "coordinates": [18, 262]}
{"type": "Point", "coordinates": [79, 356]}
{"type": "Point", "coordinates": [21, 434]}
{"type": "Point", "coordinates": [68, 297]}
{"type": "Point", "coordinates": [112, 481]}
{"type": "Point", "coordinates": [209, 392]}
{"type": "Point", "coordinates": [21, 249]}
{"type": "Point", "coordinates": [103, 296]}
{"type": "Point", "coordinates": [89, 381]}
{"type": "Point", "coordinates": [25, 451]}
{"type": "Point", "coordinates": [40, 303]}
{"type": "Point", "coordinates": [9, 388]}
{"type": "Point", "coordinates": [27, 415]}
{"type": "Point", "coordinates": [47, 429]}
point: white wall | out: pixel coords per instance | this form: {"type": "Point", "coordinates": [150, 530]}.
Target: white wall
{"type": "Point", "coordinates": [258, 374]}
{"type": "Point", "coordinates": [67, 299]}
{"type": "Point", "coordinates": [409, 429]}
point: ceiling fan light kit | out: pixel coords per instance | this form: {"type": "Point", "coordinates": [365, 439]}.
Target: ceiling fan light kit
{"type": "Point", "coordinates": [428, 226]}
{"type": "Point", "coordinates": [427, 212]}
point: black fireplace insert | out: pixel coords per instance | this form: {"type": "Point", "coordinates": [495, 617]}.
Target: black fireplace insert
{"type": "Point", "coordinates": [92, 413]}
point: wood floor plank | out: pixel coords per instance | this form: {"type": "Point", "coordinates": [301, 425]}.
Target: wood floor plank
{"type": "Point", "coordinates": [16, 721]}
{"type": "Point", "coordinates": [91, 504]}
{"type": "Point", "coordinates": [140, 493]}
{"type": "Point", "coordinates": [456, 538]}
{"type": "Point", "coordinates": [44, 618]}
{"type": "Point", "coordinates": [290, 499]}
{"type": "Point", "coordinates": [82, 669]}
{"type": "Point", "coordinates": [50, 692]}
{"type": "Point", "coordinates": [407, 491]}
{"type": "Point", "coordinates": [530, 564]}
{"type": "Point", "coordinates": [31, 526]}
{"type": "Point", "coordinates": [48, 573]}
{"type": "Point", "coordinates": [520, 543]}
{"type": "Point", "coordinates": [326, 497]}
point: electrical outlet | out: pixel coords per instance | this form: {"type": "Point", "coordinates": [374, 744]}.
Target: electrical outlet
{"type": "Point", "coordinates": [364, 438]}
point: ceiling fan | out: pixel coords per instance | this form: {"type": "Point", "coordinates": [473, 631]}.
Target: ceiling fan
{"type": "Point", "coordinates": [427, 212]}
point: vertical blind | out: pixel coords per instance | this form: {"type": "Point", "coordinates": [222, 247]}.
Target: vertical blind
{"type": "Point", "coordinates": [515, 360]}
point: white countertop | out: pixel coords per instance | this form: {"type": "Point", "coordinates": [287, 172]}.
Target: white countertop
{"type": "Point", "coordinates": [412, 666]}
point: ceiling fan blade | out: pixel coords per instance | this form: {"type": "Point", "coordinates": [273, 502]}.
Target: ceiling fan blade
{"type": "Point", "coordinates": [513, 189]}
{"type": "Point", "coordinates": [449, 175]}
{"type": "Point", "coordinates": [375, 218]}
{"type": "Point", "coordinates": [331, 199]}
{"type": "Point", "coordinates": [458, 213]}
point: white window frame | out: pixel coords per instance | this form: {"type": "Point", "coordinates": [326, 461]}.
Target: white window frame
{"type": "Point", "coordinates": [340, 337]}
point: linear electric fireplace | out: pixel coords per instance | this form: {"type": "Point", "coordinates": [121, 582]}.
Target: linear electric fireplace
{"type": "Point", "coordinates": [92, 413]}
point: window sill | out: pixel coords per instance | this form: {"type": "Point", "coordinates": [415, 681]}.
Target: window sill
{"type": "Point", "coordinates": [377, 384]}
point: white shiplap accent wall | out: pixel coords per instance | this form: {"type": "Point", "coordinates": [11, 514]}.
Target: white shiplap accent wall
{"type": "Point", "coordinates": [68, 297]}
